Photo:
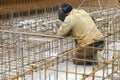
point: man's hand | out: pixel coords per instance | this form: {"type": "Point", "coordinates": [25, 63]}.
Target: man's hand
{"type": "Point", "coordinates": [69, 33]}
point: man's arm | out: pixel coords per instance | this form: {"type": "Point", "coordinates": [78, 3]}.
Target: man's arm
{"type": "Point", "coordinates": [66, 27]}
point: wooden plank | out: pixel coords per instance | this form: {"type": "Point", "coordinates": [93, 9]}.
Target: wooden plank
{"type": "Point", "coordinates": [41, 39]}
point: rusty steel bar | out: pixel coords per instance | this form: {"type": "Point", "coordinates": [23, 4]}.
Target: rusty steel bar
{"type": "Point", "coordinates": [30, 48]}
{"type": "Point", "coordinates": [101, 67]}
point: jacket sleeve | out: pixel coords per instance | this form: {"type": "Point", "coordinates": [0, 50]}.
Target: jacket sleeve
{"type": "Point", "coordinates": [66, 26]}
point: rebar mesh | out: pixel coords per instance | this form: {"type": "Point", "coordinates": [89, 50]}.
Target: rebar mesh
{"type": "Point", "coordinates": [29, 49]}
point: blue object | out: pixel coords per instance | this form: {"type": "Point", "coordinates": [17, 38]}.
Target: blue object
{"type": "Point", "coordinates": [63, 10]}
{"type": "Point", "coordinates": [96, 44]}
{"type": "Point", "coordinates": [61, 16]}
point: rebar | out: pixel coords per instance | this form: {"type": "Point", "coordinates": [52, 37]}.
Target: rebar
{"type": "Point", "coordinates": [30, 49]}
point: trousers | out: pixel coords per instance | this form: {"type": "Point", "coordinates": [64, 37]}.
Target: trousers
{"type": "Point", "coordinates": [88, 53]}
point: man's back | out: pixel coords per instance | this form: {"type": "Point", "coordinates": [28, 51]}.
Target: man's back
{"type": "Point", "coordinates": [82, 26]}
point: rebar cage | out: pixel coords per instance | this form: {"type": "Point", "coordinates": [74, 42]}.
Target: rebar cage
{"type": "Point", "coordinates": [29, 49]}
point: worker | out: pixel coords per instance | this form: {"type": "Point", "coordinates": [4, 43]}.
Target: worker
{"type": "Point", "coordinates": [79, 25]}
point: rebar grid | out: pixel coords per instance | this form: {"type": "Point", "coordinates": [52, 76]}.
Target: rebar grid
{"type": "Point", "coordinates": [29, 49]}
